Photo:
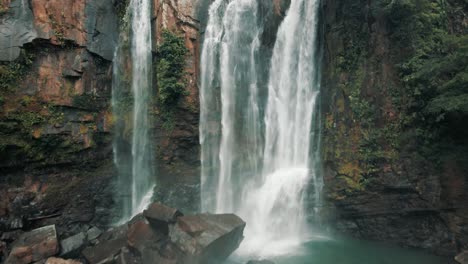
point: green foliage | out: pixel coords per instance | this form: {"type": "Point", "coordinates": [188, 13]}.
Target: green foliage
{"type": "Point", "coordinates": [170, 68]}
{"type": "Point", "coordinates": [59, 29]}
{"type": "Point", "coordinates": [120, 7]}
{"type": "Point", "coordinates": [12, 72]}
{"type": "Point", "coordinates": [434, 73]}
{"type": "Point", "coordinates": [420, 115]}
{"type": "Point", "coordinates": [447, 77]}
{"type": "Point", "coordinates": [27, 119]}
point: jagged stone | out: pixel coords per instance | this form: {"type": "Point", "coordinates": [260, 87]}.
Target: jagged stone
{"type": "Point", "coordinates": [70, 247]}
{"type": "Point", "coordinates": [140, 234]}
{"type": "Point", "coordinates": [109, 246]}
{"type": "Point", "coordinates": [35, 245]}
{"type": "Point", "coordinates": [17, 29]}
{"type": "Point", "coordinates": [207, 238]}
{"type": "Point", "coordinates": [104, 251]}
{"type": "Point", "coordinates": [462, 258]}
{"type": "Point", "coordinates": [126, 257]}
{"type": "Point", "coordinates": [3, 250]}
{"type": "Point", "coordinates": [160, 216]}
{"type": "Point", "coordinates": [102, 28]}
{"type": "Point", "coordinates": [15, 223]}
{"type": "Point", "coordinates": [62, 261]}
{"type": "Point", "coordinates": [93, 233]}
{"type": "Point", "coordinates": [10, 236]}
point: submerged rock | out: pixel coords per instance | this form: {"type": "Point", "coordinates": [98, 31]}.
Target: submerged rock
{"type": "Point", "coordinates": [462, 258]}
{"type": "Point", "coordinates": [35, 245]}
{"type": "Point", "coordinates": [263, 261]}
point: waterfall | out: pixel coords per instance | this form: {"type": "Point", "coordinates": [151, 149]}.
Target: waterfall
{"type": "Point", "coordinates": [231, 44]}
{"type": "Point", "coordinates": [130, 101]}
{"type": "Point", "coordinates": [260, 155]}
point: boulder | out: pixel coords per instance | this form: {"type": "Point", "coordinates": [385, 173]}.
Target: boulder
{"type": "Point", "coordinates": [62, 261]}
{"type": "Point", "coordinates": [15, 223]}
{"type": "Point", "coordinates": [3, 251]}
{"type": "Point", "coordinates": [126, 257]}
{"type": "Point", "coordinates": [11, 236]}
{"type": "Point", "coordinates": [163, 235]}
{"type": "Point", "coordinates": [140, 234]}
{"type": "Point", "coordinates": [71, 247]}
{"type": "Point", "coordinates": [103, 252]}
{"type": "Point", "coordinates": [35, 245]}
{"type": "Point", "coordinates": [207, 238]}
{"type": "Point", "coordinates": [109, 245]}
{"type": "Point", "coordinates": [462, 258]}
{"type": "Point", "coordinates": [160, 216]}
{"type": "Point", "coordinates": [93, 233]}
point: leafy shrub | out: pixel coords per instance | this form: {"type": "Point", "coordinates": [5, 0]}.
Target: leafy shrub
{"type": "Point", "coordinates": [170, 71]}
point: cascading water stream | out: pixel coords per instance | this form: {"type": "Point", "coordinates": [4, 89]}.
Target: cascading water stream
{"type": "Point", "coordinates": [260, 157]}
{"type": "Point", "coordinates": [134, 162]}
{"type": "Point", "coordinates": [231, 44]}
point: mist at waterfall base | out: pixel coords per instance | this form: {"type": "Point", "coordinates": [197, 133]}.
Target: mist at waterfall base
{"type": "Point", "coordinates": [260, 136]}
{"type": "Point", "coordinates": [260, 156]}
{"type": "Point", "coordinates": [131, 93]}
{"type": "Point", "coordinates": [350, 251]}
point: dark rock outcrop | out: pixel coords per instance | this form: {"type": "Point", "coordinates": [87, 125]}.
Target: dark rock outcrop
{"type": "Point", "coordinates": [194, 239]}
{"type": "Point", "coordinates": [93, 24]}
{"type": "Point", "coordinates": [378, 183]}
{"type": "Point", "coordinates": [71, 247]}
{"type": "Point", "coordinates": [207, 238]}
{"type": "Point", "coordinates": [34, 246]}
{"type": "Point", "coordinates": [462, 258]}
{"type": "Point", "coordinates": [55, 113]}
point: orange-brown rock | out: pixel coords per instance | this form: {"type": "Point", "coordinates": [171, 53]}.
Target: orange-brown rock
{"type": "Point", "coordinates": [140, 233]}
{"type": "Point", "coordinates": [36, 245]}
{"type": "Point", "coordinates": [178, 144]}
{"type": "Point", "coordinates": [62, 261]}
{"type": "Point", "coordinates": [60, 20]}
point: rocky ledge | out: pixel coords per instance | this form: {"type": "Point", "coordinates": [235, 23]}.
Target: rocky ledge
{"type": "Point", "coordinates": [158, 235]}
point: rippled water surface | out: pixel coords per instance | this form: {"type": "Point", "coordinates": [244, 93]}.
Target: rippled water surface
{"type": "Point", "coordinates": [347, 251]}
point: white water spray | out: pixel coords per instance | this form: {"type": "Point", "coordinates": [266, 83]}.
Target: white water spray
{"type": "Point", "coordinates": [135, 168]}
{"type": "Point", "coordinates": [260, 156]}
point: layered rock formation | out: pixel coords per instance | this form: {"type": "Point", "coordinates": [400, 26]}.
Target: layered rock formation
{"type": "Point", "coordinates": [382, 180]}
{"type": "Point", "coordinates": [55, 118]}
{"type": "Point", "coordinates": [55, 121]}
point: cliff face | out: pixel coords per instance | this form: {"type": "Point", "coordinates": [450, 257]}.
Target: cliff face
{"type": "Point", "coordinates": [55, 121]}
{"type": "Point", "coordinates": [176, 126]}
{"type": "Point", "coordinates": [386, 176]}
{"type": "Point", "coordinates": [55, 117]}
{"type": "Point", "coordinates": [382, 180]}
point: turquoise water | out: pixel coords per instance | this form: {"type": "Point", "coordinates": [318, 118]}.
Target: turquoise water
{"type": "Point", "coordinates": [347, 251]}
